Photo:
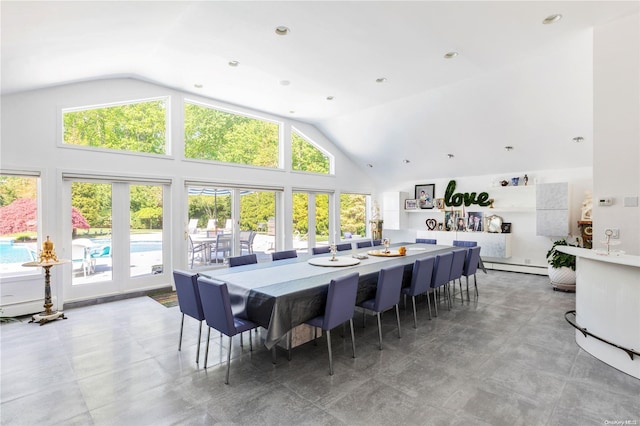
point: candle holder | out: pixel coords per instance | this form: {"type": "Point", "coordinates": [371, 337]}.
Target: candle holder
{"type": "Point", "coordinates": [386, 243]}
{"type": "Point", "coordinates": [333, 249]}
{"type": "Point", "coordinates": [48, 259]}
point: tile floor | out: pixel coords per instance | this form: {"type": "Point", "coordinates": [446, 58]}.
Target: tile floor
{"type": "Point", "coordinates": [507, 359]}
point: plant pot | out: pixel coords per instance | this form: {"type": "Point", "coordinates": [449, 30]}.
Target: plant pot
{"type": "Point", "coordinates": [562, 278]}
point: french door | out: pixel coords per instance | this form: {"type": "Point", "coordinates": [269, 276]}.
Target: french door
{"type": "Point", "coordinates": [116, 236]}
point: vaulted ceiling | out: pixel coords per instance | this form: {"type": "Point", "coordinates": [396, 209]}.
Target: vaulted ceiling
{"type": "Point", "coordinates": [515, 81]}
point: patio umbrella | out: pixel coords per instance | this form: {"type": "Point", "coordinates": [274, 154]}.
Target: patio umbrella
{"type": "Point", "coordinates": [21, 216]}
{"type": "Point", "coordinates": [200, 190]}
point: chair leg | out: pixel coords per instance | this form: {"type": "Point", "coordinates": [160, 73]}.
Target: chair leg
{"type": "Point", "coordinates": [435, 302]}
{"type": "Point", "coordinates": [199, 338]}
{"type": "Point", "coordinates": [475, 283]}
{"type": "Point", "coordinates": [226, 381]}
{"type": "Point", "coordinates": [241, 341]}
{"type": "Point", "coordinates": [460, 282]}
{"type": "Point", "coordinates": [429, 303]}
{"type": "Point", "coordinates": [467, 279]}
{"type": "Point", "coordinates": [181, 328]}
{"type": "Point", "coordinates": [290, 337]}
{"type": "Point", "coordinates": [353, 338]}
{"type": "Point", "coordinates": [206, 353]}
{"type": "Point", "coordinates": [250, 342]}
{"type": "Point", "coordinates": [398, 319]}
{"type": "Point", "coordinates": [379, 329]}
{"type": "Point", "coordinates": [415, 316]}
{"type": "Point", "coordinates": [330, 355]}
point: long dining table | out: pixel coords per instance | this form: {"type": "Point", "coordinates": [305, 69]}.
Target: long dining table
{"type": "Point", "coordinates": [283, 294]}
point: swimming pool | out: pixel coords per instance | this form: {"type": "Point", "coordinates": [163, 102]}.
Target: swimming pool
{"type": "Point", "coordinates": [16, 253]}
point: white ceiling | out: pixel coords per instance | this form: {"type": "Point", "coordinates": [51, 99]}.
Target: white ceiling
{"type": "Point", "coordinates": [515, 82]}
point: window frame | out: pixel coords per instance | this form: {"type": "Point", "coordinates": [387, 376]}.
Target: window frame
{"type": "Point", "coordinates": [311, 142]}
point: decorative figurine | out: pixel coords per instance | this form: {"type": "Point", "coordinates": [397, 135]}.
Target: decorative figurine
{"type": "Point", "coordinates": [48, 254]}
{"type": "Point", "coordinates": [526, 180]}
{"type": "Point", "coordinates": [587, 206]}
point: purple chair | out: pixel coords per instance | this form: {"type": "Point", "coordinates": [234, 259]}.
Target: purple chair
{"type": "Point", "coordinates": [362, 244]}
{"type": "Point", "coordinates": [217, 311]}
{"type": "Point", "coordinates": [321, 250]}
{"type": "Point", "coordinates": [341, 300]}
{"type": "Point", "coordinates": [441, 273]}
{"type": "Point", "coordinates": [471, 266]}
{"type": "Point", "coordinates": [344, 246]}
{"type": "Point", "coordinates": [377, 242]}
{"type": "Point", "coordinates": [460, 243]}
{"type": "Point", "coordinates": [426, 241]}
{"type": "Point", "coordinates": [387, 295]}
{"type": "Point", "coordinates": [457, 266]}
{"type": "Point", "coordinates": [286, 254]}
{"type": "Point", "coordinates": [420, 283]}
{"type": "Point", "coordinates": [247, 259]}
{"type": "Point", "coordinates": [189, 302]}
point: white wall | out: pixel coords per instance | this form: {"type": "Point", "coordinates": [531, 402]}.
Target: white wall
{"type": "Point", "coordinates": [616, 168]}
{"type": "Point", "coordinates": [514, 204]}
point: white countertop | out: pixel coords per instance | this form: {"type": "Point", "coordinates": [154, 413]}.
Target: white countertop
{"type": "Point", "coordinates": [622, 259]}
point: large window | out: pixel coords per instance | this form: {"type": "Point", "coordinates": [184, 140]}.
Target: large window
{"type": "Point", "coordinates": [353, 215]}
{"type": "Point", "coordinates": [18, 223]}
{"type": "Point", "coordinates": [135, 127]}
{"type": "Point", "coordinates": [305, 156]}
{"type": "Point", "coordinates": [211, 134]}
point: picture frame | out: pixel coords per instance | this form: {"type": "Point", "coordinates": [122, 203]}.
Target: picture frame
{"type": "Point", "coordinates": [440, 203]}
{"type": "Point", "coordinates": [475, 221]}
{"type": "Point", "coordinates": [410, 204]}
{"type": "Point", "coordinates": [506, 227]}
{"type": "Point", "coordinates": [425, 195]}
{"type": "Point", "coordinates": [451, 220]}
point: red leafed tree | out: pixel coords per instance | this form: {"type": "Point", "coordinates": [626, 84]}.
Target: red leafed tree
{"type": "Point", "coordinates": [20, 216]}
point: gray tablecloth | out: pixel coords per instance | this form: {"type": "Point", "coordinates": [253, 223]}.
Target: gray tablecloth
{"type": "Point", "coordinates": [282, 294]}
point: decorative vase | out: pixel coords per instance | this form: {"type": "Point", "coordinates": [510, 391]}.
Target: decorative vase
{"type": "Point", "coordinates": [562, 278]}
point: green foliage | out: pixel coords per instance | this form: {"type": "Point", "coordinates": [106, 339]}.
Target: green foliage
{"type": "Point", "coordinates": [93, 200]}
{"type": "Point", "coordinates": [353, 213]}
{"type": "Point", "coordinates": [558, 259]}
{"type": "Point", "coordinates": [306, 157]}
{"type": "Point", "coordinates": [14, 187]}
{"type": "Point", "coordinates": [211, 134]}
{"type": "Point", "coordinates": [137, 127]}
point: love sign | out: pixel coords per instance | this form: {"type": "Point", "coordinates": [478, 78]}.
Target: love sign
{"type": "Point", "coordinates": [451, 198]}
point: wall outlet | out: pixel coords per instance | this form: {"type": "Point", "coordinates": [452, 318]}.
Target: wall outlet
{"type": "Point", "coordinates": [615, 233]}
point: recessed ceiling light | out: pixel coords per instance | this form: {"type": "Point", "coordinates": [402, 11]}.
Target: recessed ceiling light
{"type": "Point", "coordinates": [381, 80]}
{"type": "Point", "coordinates": [578, 139]}
{"type": "Point", "coordinates": [234, 63]}
{"type": "Point", "coordinates": [329, 98]}
{"type": "Point", "coordinates": [285, 82]}
{"type": "Point", "coordinates": [292, 111]}
{"type": "Point", "coordinates": [198, 86]}
{"type": "Point", "coordinates": [282, 30]}
{"type": "Point", "coordinates": [450, 55]}
{"type": "Point", "coordinates": [406, 161]}
{"type": "Point", "coordinates": [450, 156]}
{"type": "Point", "coordinates": [370, 165]}
{"type": "Point", "coordinates": [508, 148]}
{"type": "Point", "coordinates": [551, 19]}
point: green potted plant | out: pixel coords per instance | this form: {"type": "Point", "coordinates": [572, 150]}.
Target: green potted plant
{"type": "Point", "coordinates": [562, 267]}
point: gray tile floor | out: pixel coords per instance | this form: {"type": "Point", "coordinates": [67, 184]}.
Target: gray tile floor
{"type": "Point", "coordinates": [508, 359]}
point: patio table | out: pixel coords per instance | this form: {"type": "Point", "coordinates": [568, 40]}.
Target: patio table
{"type": "Point", "coordinates": [282, 294]}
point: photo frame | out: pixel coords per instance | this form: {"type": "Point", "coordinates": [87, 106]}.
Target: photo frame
{"type": "Point", "coordinates": [425, 195]}
{"type": "Point", "coordinates": [410, 204]}
{"type": "Point", "coordinates": [451, 221]}
{"type": "Point", "coordinates": [475, 221]}
{"type": "Point", "coordinates": [506, 227]}
{"type": "Point", "coordinates": [440, 203]}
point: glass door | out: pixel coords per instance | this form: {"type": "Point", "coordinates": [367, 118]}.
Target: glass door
{"type": "Point", "coordinates": [118, 241]}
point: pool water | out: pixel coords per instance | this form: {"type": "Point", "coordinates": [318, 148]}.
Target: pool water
{"type": "Point", "coordinates": [10, 253]}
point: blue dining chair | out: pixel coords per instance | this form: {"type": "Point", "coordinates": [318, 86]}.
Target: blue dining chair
{"type": "Point", "coordinates": [363, 244]}
{"type": "Point", "coordinates": [321, 250]}
{"type": "Point", "coordinates": [247, 259]}
{"type": "Point", "coordinates": [377, 242]}
{"type": "Point", "coordinates": [426, 241]}
{"type": "Point", "coordinates": [189, 302]}
{"type": "Point", "coordinates": [420, 283]}
{"type": "Point", "coordinates": [344, 246]}
{"type": "Point", "coordinates": [216, 305]}
{"type": "Point", "coordinates": [387, 295]}
{"type": "Point", "coordinates": [341, 300]}
{"type": "Point", "coordinates": [460, 243]}
{"type": "Point", "coordinates": [441, 273]}
{"type": "Point", "coordinates": [457, 266]}
{"type": "Point", "coordinates": [286, 254]}
{"type": "Point", "coordinates": [471, 266]}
